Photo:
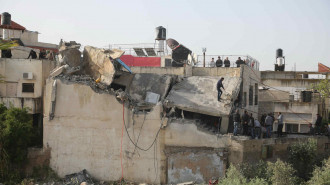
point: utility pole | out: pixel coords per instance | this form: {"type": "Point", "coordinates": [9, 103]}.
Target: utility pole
{"type": "Point", "coordinates": [204, 50]}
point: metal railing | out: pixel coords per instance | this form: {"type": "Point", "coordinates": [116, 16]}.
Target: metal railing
{"type": "Point", "coordinates": [128, 48]}
{"type": "Point", "coordinates": [250, 61]}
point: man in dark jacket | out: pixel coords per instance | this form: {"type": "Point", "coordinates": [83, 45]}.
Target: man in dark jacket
{"type": "Point", "coordinates": [226, 62]}
{"type": "Point", "coordinates": [246, 119]}
{"type": "Point", "coordinates": [239, 62]}
{"type": "Point", "coordinates": [237, 120]}
{"type": "Point", "coordinates": [318, 123]}
{"type": "Point", "coordinates": [218, 63]}
{"type": "Point", "coordinates": [219, 85]}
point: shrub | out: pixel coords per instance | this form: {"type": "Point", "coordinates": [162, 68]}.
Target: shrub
{"type": "Point", "coordinates": [302, 156]}
{"type": "Point", "coordinates": [281, 173]}
{"type": "Point", "coordinates": [235, 177]}
{"type": "Point", "coordinates": [15, 137]}
{"type": "Point", "coordinates": [321, 175]}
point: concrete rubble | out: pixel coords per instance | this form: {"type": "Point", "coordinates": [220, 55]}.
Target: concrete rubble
{"type": "Point", "coordinates": [69, 54]}
{"type": "Point", "coordinates": [199, 94]}
{"type": "Point", "coordinates": [98, 63]}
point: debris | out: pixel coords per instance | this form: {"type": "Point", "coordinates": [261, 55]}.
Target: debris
{"type": "Point", "coordinates": [58, 71]}
{"type": "Point", "coordinates": [69, 54]}
{"type": "Point", "coordinates": [99, 64]}
{"type": "Point", "coordinates": [186, 183]}
{"type": "Point", "coordinates": [152, 97]}
{"type": "Point", "coordinates": [81, 177]}
{"type": "Point", "coordinates": [53, 100]}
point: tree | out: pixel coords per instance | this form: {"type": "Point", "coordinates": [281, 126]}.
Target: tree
{"type": "Point", "coordinates": [321, 175]}
{"type": "Point", "coordinates": [235, 177]}
{"type": "Point", "coordinates": [15, 138]}
{"type": "Point", "coordinates": [281, 173]}
{"type": "Point", "coordinates": [324, 88]}
{"type": "Point", "coordinates": [302, 157]}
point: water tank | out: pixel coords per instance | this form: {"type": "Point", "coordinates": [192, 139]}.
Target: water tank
{"type": "Point", "coordinates": [5, 18]}
{"type": "Point", "coordinates": [160, 33]}
{"type": "Point", "coordinates": [279, 53]}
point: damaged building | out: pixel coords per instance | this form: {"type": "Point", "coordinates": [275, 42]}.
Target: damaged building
{"type": "Point", "coordinates": [157, 125]}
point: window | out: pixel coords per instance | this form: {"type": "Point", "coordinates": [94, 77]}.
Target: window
{"type": "Point", "coordinates": [256, 89]}
{"type": "Point", "coordinates": [28, 87]}
{"type": "Point", "coordinates": [306, 96]}
{"type": "Point", "coordinates": [291, 128]}
{"type": "Point", "coordinates": [251, 95]}
{"type": "Point", "coordinates": [244, 99]}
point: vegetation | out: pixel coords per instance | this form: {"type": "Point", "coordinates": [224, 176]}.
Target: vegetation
{"type": "Point", "coordinates": [7, 44]}
{"type": "Point", "coordinates": [15, 138]}
{"type": "Point", "coordinates": [324, 88]}
{"type": "Point", "coordinates": [302, 157]}
{"type": "Point", "coordinates": [301, 168]}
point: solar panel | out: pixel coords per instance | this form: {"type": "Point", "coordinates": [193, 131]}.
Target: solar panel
{"type": "Point", "coordinates": [150, 51]}
{"type": "Point", "coordinates": [139, 52]}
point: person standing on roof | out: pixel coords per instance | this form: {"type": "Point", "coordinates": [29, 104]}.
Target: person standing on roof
{"type": "Point", "coordinates": [219, 85]}
{"type": "Point", "coordinates": [212, 63]}
{"type": "Point", "coordinates": [226, 62]}
{"type": "Point", "coordinates": [219, 62]}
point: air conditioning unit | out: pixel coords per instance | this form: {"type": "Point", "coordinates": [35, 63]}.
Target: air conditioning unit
{"type": "Point", "coordinates": [28, 76]}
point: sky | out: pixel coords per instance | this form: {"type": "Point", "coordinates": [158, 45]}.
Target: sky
{"type": "Point", "coordinates": [254, 27]}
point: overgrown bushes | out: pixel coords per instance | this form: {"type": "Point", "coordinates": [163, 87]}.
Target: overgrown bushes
{"type": "Point", "coordinates": [301, 168]}
{"type": "Point", "coordinates": [15, 138]}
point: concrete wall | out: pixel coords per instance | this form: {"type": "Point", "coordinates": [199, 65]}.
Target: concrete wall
{"type": "Point", "coordinates": [86, 134]}
{"type": "Point", "coordinates": [252, 151]}
{"type": "Point", "coordinates": [217, 71]}
{"type": "Point", "coordinates": [159, 70]}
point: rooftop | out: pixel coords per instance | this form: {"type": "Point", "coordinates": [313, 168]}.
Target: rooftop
{"type": "Point", "coordinates": [13, 26]}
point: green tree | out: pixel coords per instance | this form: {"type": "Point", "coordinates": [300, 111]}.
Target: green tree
{"type": "Point", "coordinates": [235, 177]}
{"type": "Point", "coordinates": [321, 175]}
{"type": "Point", "coordinates": [324, 88]}
{"type": "Point", "coordinates": [302, 156]}
{"type": "Point", "coordinates": [281, 173]}
{"type": "Point", "coordinates": [15, 138]}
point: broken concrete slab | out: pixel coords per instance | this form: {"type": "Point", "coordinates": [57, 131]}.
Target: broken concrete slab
{"type": "Point", "coordinates": [99, 65]}
{"type": "Point", "coordinates": [199, 94]}
{"type": "Point", "coordinates": [69, 53]}
{"type": "Point", "coordinates": [155, 83]}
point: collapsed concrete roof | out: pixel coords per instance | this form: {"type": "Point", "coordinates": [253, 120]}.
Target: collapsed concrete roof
{"type": "Point", "coordinates": [155, 83]}
{"type": "Point", "coordinates": [199, 94]}
{"type": "Point", "coordinates": [99, 63]}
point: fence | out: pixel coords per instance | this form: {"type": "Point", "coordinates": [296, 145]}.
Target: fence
{"type": "Point", "coordinates": [232, 58]}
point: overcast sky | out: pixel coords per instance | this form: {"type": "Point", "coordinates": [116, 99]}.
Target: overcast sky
{"type": "Point", "coordinates": [255, 27]}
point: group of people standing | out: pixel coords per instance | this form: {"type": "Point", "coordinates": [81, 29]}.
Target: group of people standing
{"type": "Point", "coordinates": [226, 62]}
{"type": "Point", "coordinates": [252, 127]}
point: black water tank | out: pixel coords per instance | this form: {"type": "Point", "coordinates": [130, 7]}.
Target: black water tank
{"type": "Point", "coordinates": [279, 53]}
{"type": "Point", "coordinates": [160, 33]}
{"type": "Point", "coordinates": [5, 18]}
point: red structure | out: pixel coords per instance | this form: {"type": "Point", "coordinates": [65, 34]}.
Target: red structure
{"type": "Point", "coordinates": [13, 26]}
{"type": "Point", "coordinates": [141, 61]}
{"type": "Point", "coordinates": [323, 68]}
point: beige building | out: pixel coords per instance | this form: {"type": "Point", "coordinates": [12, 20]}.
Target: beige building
{"type": "Point", "coordinates": [291, 94]}
{"type": "Point", "coordinates": [23, 82]}
{"type": "Point", "coordinates": [24, 37]}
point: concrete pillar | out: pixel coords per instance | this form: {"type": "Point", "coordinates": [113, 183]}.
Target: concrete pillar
{"type": "Point", "coordinates": [224, 125]}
